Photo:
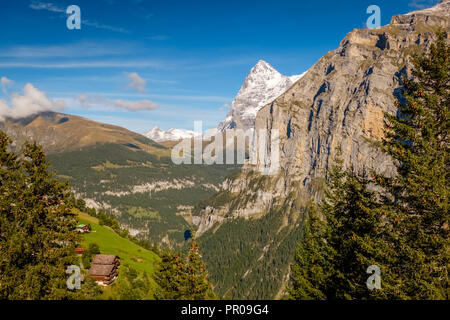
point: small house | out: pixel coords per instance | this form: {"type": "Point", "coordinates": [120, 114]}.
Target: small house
{"type": "Point", "coordinates": [103, 274]}
{"type": "Point", "coordinates": [106, 259]}
{"type": "Point", "coordinates": [105, 268]}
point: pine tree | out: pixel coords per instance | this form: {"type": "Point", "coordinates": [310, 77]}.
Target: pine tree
{"type": "Point", "coordinates": [37, 237]}
{"type": "Point", "coordinates": [338, 247]}
{"type": "Point", "coordinates": [168, 276]}
{"type": "Point", "coordinates": [403, 229]}
{"type": "Point", "coordinates": [313, 260]}
{"type": "Point", "coordinates": [197, 286]}
{"type": "Point", "coordinates": [183, 277]}
{"type": "Point", "coordinates": [418, 196]}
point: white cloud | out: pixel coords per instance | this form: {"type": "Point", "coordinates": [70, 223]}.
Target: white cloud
{"type": "Point", "coordinates": [135, 105]}
{"type": "Point", "coordinates": [5, 83]}
{"type": "Point", "coordinates": [184, 98]}
{"type": "Point", "coordinates": [135, 81]}
{"type": "Point", "coordinates": [68, 50]}
{"type": "Point", "coordinates": [31, 102]}
{"type": "Point", "coordinates": [84, 64]}
{"type": "Point", "coordinates": [40, 5]}
{"type": "Point", "coordinates": [4, 109]}
{"type": "Point", "coordinates": [99, 25]}
{"type": "Point", "coordinates": [87, 101]}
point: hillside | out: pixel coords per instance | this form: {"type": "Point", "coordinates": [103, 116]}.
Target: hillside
{"type": "Point", "coordinates": [338, 104]}
{"type": "Point", "coordinates": [131, 254]}
{"type": "Point", "coordinates": [110, 242]}
{"type": "Point", "coordinates": [58, 132]}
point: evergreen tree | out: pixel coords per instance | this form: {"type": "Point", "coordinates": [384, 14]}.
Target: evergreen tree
{"type": "Point", "coordinates": [313, 260]}
{"type": "Point", "coordinates": [404, 228]}
{"type": "Point", "coordinates": [338, 247]}
{"type": "Point", "coordinates": [169, 277]}
{"type": "Point", "coordinates": [418, 196]}
{"type": "Point", "coordinates": [183, 278]}
{"type": "Point", "coordinates": [89, 290]}
{"type": "Point", "coordinates": [37, 237]}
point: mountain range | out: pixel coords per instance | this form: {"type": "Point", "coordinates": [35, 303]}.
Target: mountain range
{"type": "Point", "coordinates": [58, 132]}
{"type": "Point", "coordinates": [262, 85]}
{"type": "Point", "coordinates": [158, 135]}
{"type": "Point", "coordinates": [247, 223]}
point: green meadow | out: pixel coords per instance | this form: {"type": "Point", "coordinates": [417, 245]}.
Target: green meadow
{"type": "Point", "coordinates": [131, 255]}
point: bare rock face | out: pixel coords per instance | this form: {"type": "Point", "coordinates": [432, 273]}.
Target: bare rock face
{"type": "Point", "coordinates": [338, 104]}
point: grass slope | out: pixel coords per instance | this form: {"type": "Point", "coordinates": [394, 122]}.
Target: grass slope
{"type": "Point", "coordinates": [111, 243]}
{"type": "Point", "coordinates": [131, 254]}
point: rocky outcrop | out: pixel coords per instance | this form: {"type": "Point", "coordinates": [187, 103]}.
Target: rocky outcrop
{"type": "Point", "coordinates": [338, 104]}
{"type": "Point", "coordinates": [162, 185]}
{"type": "Point", "coordinates": [341, 100]}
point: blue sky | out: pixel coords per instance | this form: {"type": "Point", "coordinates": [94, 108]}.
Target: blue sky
{"type": "Point", "coordinates": [183, 60]}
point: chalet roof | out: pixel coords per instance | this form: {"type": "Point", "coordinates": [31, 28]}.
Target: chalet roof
{"type": "Point", "coordinates": [104, 259]}
{"type": "Point", "coordinates": [101, 269]}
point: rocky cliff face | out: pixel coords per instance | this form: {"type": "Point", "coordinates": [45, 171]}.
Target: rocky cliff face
{"type": "Point", "coordinates": [338, 103]}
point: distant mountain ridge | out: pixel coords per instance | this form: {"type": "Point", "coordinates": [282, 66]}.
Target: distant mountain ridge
{"type": "Point", "coordinates": [158, 135]}
{"type": "Point", "coordinates": [59, 132]}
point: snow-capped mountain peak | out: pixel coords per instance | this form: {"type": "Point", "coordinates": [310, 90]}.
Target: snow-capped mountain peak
{"type": "Point", "coordinates": [262, 85]}
{"type": "Point", "coordinates": [158, 135]}
{"type": "Point", "coordinates": [261, 72]}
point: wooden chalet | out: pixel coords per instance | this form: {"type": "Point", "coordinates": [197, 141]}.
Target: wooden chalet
{"type": "Point", "coordinates": [105, 268]}
{"type": "Point", "coordinates": [106, 259]}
